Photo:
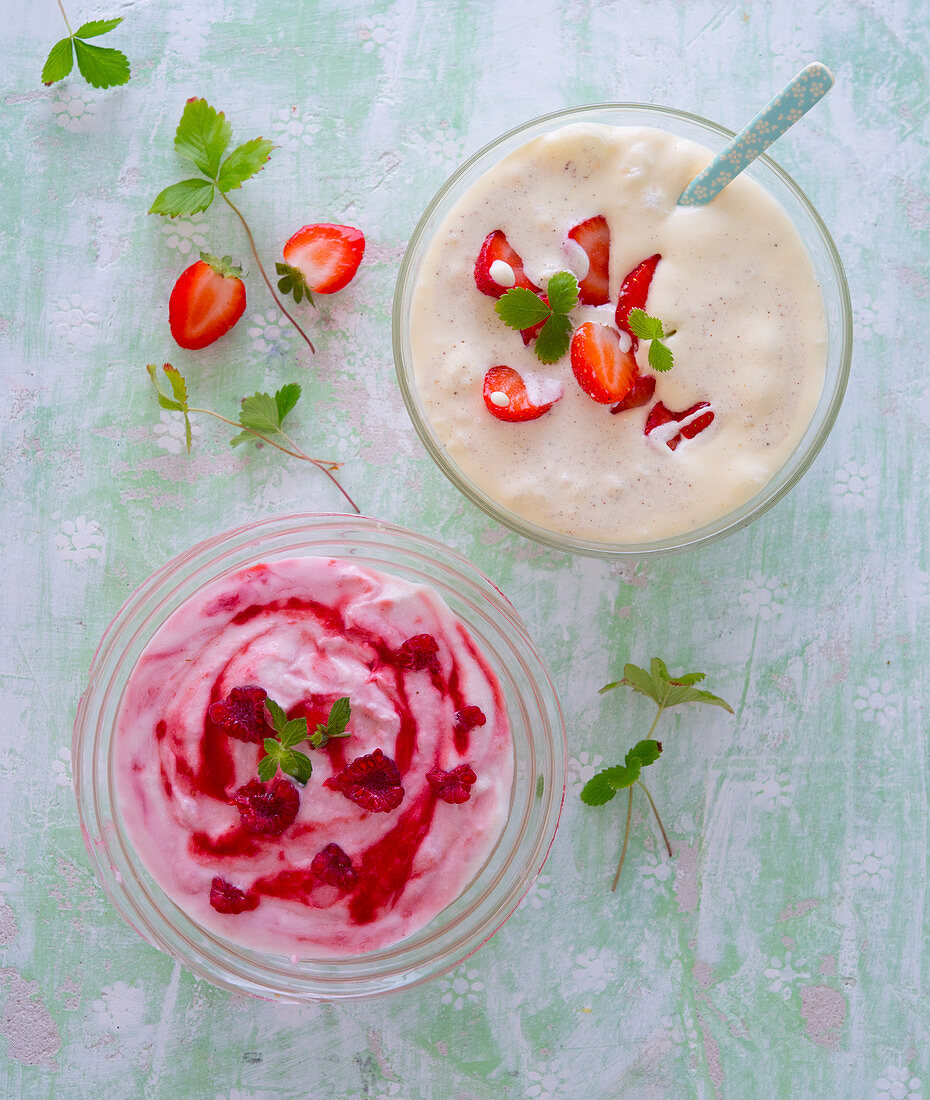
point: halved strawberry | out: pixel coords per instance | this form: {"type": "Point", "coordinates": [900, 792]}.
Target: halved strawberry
{"type": "Point", "coordinates": [604, 371]}
{"type": "Point", "coordinates": [641, 393]}
{"type": "Point", "coordinates": [594, 237]}
{"type": "Point", "coordinates": [508, 396]}
{"type": "Point", "coordinates": [207, 300]}
{"type": "Point", "coordinates": [320, 258]}
{"type": "Point", "coordinates": [692, 421]}
{"type": "Point", "coordinates": [633, 293]}
{"type": "Point", "coordinates": [496, 248]}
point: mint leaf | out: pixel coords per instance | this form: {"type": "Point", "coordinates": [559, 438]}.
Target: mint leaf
{"type": "Point", "coordinates": [60, 62]}
{"type": "Point", "coordinates": [187, 197]}
{"type": "Point", "coordinates": [339, 714]}
{"type": "Point", "coordinates": [562, 292]}
{"type": "Point", "coordinates": [280, 752]}
{"type": "Point", "coordinates": [520, 308]}
{"type": "Point", "coordinates": [268, 765]}
{"type": "Point", "coordinates": [298, 765]}
{"type": "Point", "coordinates": [554, 338]}
{"type": "Point", "coordinates": [101, 67]}
{"type": "Point", "coordinates": [96, 27]}
{"type": "Point", "coordinates": [243, 163]}
{"type": "Point", "coordinates": [202, 136]}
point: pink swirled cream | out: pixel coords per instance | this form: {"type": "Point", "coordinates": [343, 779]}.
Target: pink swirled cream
{"type": "Point", "coordinates": [395, 819]}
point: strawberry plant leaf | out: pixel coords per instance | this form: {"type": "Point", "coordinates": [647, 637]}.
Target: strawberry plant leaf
{"type": "Point", "coordinates": [646, 752]}
{"type": "Point", "coordinates": [639, 680]}
{"type": "Point", "coordinates": [598, 790]}
{"type": "Point", "coordinates": [202, 136]}
{"type": "Point", "coordinates": [242, 163]}
{"type": "Point", "coordinates": [60, 62]}
{"type": "Point", "coordinates": [554, 338]}
{"type": "Point", "coordinates": [682, 693]}
{"type": "Point", "coordinates": [101, 67]}
{"type": "Point", "coordinates": [660, 357]}
{"type": "Point", "coordinates": [644, 326]}
{"type": "Point", "coordinates": [187, 197]}
{"type": "Point", "coordinates": [520, 308]}
{"type": "Point", "coordinates": [285, 399]}
{"type": "Point", "coordinates": [96, 27]}
{"type": "Point", "coordinates": [260, 413]}
{"type": "Point", "coordinates": [293, 282]}
{"type": "Point", "coordinates": [562, 292]}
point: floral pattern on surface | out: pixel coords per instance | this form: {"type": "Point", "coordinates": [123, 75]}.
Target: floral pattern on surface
{"type": "Point", "coordinates": [170, 432]}
{"type": "Point", "coordinates": [80, 540]}
{"type": "Point", "coordinates": [187, 234]}
{"type": "Point", "coordinates": [73, 108]}
{"type": "Point", "coordinates": [461, 989]}
{"type": "Point", "coordinates": [76, 319]}
{"type": "Point", "coordinates": [268, 333]}
{"type": "Point", "coordinates": [758, 596]}
{"type": "Point", "coordinates": [898, 1083]}
{"type": "Point", "coordinates": [293, 127]}
{"type": "Point", "coordinates": [855, 484]}
{"type": "Point", "coordinates": [877, 702]}
{"type": "Point", "coordinates": [871, 864]}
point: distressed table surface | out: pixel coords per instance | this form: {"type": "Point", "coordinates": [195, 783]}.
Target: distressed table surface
{"type": "Point", "coordinates": [781, 951]}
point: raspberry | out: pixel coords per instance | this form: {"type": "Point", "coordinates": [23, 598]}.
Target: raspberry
{"type": "Point", "coordinates": [226, 898]}
{"type": "Point", "coordinates": [334, 867]}
{"type": "Point", "coordinates": [267, 807]}
{"type": "Point", "coordinates": [242, 714]}
{"type": "Point", "coordinates": [452, 786]}
{"type": "Point", "coordinates": [418, 652]}
{"type": "Point", "coordinates": [468, 718]}
{"type": "Point", "coordinates": [372, 782]}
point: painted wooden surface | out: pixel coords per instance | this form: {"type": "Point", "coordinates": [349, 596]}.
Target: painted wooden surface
{"type": "Point", "coordinates": [781, 951]}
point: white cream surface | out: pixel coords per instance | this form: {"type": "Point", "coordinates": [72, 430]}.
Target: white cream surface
{"type": "Point", "coordinates": [308, 631]}
{"type": "Point", "coordinates": [735, 283]}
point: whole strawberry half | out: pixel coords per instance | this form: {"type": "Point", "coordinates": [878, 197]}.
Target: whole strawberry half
{"type": "Point", "coordinates": [593, 236]}
{"type": "Point", "coordinates": [207, 300]}
{"type": "Point", "coordinates": [693, 421]}
{"type": "Point", "coordinates": [320, 259]}
{"type": "Point", "coordinates": [644, 386]}
{"type": "Point", "coordinates": [509, 396]}
{"type": "Point", "coordinates": [633, 293]}
{"type": "Point", "coordinates": [496, 248]}
{"type": "Point", "coordinates": [604, 371]}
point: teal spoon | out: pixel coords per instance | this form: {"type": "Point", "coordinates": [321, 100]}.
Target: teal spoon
{"type": "Point", "coordinates": [806, 89]}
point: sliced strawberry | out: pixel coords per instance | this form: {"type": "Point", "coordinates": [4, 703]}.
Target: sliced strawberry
{"type": "Point", "coordinates": [321, 258]}
{"type": "Point", "coordinates": [641, 394]}
{"type": "Point", "coordinates": [604, 371]}
{"type": "Point", "coordinates": [692, 424]}
{"type": "Point", "coordinates": [594, 237]}
{"type": "Point", "coordinates": [207, 300]}
{"type": "Point", "coordinates": [496, 248]}
{"type": "Point", "coordinates": [633, 293]}
{"type": "Point", "coordinates": [508, 396]}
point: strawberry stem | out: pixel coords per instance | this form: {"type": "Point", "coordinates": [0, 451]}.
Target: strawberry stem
{"type": "Point", "coordinates": [668, 846]}
{"type": "Point", "coordinates": [277, 300]}
{"type": "Point", "coordinates": [67, 24]}
{"type": "Point", "coordinates": [626, 837]}
{"type": "Point", "coordinates": [321, 464]}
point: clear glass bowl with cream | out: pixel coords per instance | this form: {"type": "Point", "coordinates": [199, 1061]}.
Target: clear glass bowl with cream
{"type": "Point", "coordinates": [751, 285]}
{"type": "Point", "coordinates": [311, 607]}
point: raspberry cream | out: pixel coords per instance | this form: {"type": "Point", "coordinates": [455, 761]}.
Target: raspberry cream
{"type": "Point", "coordinates": [734, 282]}
{"type": "Point", "coordinates": [340, 879]}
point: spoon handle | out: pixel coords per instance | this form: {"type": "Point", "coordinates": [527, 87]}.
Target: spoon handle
{"type": "Point", "coordinates": [810, 85]}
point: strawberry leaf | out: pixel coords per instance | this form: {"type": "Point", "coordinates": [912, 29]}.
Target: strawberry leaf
{"type": "Point", "coordinates": [242, 163]}
{"type": "Point", "coordinates": [202, 136]}
{"type": "Point", "coordinates": [646, 752]}
{"type": "Point", "coordinates": [644, 326]}
{"type": "Point", "coordinates": [96, 27]}
{"type": "Point", "coordinates": [285, 399]}
{"type": "Point", "coordinates": [187, 197]}
{"type": "Point", "coordinates": [101, 67]}
{"type": "Point", "coordinates": [60, 62]}
{"type": "Point", "coordinates": [562, 292]}
{"type": "Point", "coordinates": [554, 338]}
{"type": "Point", "coordinates": [598, 790]}
{"type": "Point", "coordinates": [520, 308]}
{"type": "Point", "coordinates": [660, 357]}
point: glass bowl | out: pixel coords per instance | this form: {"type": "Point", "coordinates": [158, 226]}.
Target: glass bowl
{"type": "Point", "coordinates": [539, 749]}
{"type": "Point", "coordinates": [827, 267]}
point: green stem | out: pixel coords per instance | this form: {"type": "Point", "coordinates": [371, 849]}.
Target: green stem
{"type": "Point", "coordinates": [67, 24]}
{"type": "Point", "coordinates": [278, 302]}
{"type": "Point", "coordinates": [658, 819]}
{"type": "Point", "coordinates": [326, 467]}
{"type": "Point", "coordinates": [626, 837]}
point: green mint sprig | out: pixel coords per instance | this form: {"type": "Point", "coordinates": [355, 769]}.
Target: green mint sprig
{"type": "Point", "coordinates": [335, 725]}
{"type": "Point", "coordinates": [520, 308]}
{"type": "Point", "coordinates": [260, 419]}
{"type": "Point", "coordinates": [280, 751]}
{"type": "Point", "coordinates": [101, 67]}
{"type": "Point", "coordinates": [665, 691]}
{"type": "Point", "coordinates": [202, 138]}
{"type": "Point", "coordinates": [651, 328]}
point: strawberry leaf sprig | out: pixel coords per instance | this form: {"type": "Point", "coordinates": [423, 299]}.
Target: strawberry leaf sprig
{"type": "Point", "coordinates": [202, 138]}
{"type": "Point", "coordinates": [652, 329]}
{"type": "Point", "coordinates": [665, 691]}
{"type": "Point", "coordinates": [101, 67]}
{"type": "Point", "coordinates": [261, 417]}
{"type": "Point", "coordinates": [280, 751]}
{"type": "Point", "coordinates": [520, 308]}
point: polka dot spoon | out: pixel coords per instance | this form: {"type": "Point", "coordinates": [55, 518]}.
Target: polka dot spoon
{"type": "Point", "coordinates": [806, 89]}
